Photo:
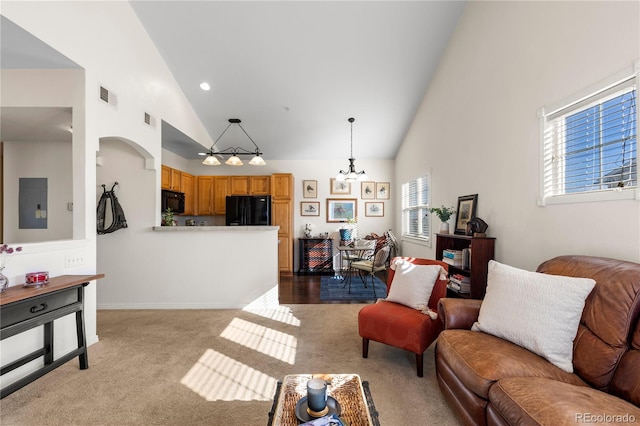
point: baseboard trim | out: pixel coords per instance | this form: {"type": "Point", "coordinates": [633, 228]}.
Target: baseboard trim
{"type": "Point", "coordinates": [133, 306]}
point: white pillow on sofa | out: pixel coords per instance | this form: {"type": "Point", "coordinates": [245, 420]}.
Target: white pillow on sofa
{"type": "Point", "coordinates": [412, 284]}
{"type": "Point", "coordinates": [540, 312]}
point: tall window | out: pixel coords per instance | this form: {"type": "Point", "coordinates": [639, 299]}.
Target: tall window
{"type": "Point", "coordinates": [415, 204]}
{"type": "Point", "coordinates": [590, 145]}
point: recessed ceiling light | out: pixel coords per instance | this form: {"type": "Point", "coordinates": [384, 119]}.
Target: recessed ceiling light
{"type": "Point", "coordinates": [205, 86]}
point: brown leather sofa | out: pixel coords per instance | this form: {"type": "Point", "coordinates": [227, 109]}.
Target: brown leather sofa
{"type": "Point", "coordinates": [492, 381]}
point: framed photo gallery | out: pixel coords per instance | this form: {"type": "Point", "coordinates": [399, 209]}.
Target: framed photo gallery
{"type": "Point", "coordinates": [343, 209]}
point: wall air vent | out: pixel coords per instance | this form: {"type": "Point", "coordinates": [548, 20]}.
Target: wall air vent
{"type": "Point", "coordinates": [104, 94]}
{"type": "Point", "coordinates": [108, 97]}
{"type": "Point", "coordinates": [149, 119]}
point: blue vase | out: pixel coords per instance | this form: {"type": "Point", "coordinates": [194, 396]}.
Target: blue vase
{"type": "Point", "coordinates": [345, 234]}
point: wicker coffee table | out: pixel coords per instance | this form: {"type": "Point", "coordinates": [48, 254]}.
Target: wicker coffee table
{"type": "Point", "coordinates": [345, 388]}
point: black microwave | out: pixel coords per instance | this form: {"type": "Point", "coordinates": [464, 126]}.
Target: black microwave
{"type": "Point", "coordinates": [172, 200]}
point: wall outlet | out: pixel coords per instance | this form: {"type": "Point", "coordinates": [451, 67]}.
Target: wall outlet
{"type": "Point", "coordinates": [71, 261]}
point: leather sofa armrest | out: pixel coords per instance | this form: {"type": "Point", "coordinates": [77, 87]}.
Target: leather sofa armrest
{"type": "Point", "coordinates": [458, 313]}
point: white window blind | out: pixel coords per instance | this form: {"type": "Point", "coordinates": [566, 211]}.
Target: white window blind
{"type": "Point", "coordinates": [415, 204]}
{"type": "Point", "coordinates": [591, 145]}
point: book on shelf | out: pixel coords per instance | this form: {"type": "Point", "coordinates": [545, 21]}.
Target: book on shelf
{"type": "Point", "coordinates": [452, 254]}
{"type": "Point", "coordinates": [460, 283]}
{"type": "Point", "coordinates": [466, 258]}
{"type": "Point", "coordinates": [453, 262]}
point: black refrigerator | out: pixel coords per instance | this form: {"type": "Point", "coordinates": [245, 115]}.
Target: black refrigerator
{"type": "Point", "coordinates": [248, 210]}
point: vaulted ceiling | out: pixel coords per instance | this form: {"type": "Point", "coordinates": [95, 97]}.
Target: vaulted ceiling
{"type": "Point", "coordinates": [292, 71]}
{"type": "Point", "coordinates": [295, 71]}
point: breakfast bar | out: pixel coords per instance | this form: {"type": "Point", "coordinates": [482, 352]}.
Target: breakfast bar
{"type": "Point", "coordinates": [196, 267]}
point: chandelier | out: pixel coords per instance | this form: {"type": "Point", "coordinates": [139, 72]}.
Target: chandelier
{"type": "Point", "coordinates": [235, 152]}
{"type": "Point", "coordinates": [351, 174]}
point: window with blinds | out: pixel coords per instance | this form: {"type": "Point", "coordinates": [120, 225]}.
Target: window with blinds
{"type": "Point", "coordinates": [590, 145]}
{"type": "Point", "coordinates": [415, 204]}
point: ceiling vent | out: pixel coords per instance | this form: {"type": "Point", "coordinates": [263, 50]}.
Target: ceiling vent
{"type": "Point", "coordinates": [108, 97]}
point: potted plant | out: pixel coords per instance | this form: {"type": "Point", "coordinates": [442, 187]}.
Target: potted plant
{"type": "Point", "coordinates": [444, 214]}
{"type": "Point", "coordinates": [168, 218]}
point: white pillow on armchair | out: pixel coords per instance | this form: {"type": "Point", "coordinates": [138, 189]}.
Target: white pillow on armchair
{"type": "Point", "coordinates": [412, 284]}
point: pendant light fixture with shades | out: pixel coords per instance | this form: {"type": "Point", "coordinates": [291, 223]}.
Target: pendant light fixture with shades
{"type": "Point", "coordinates": [234, 159]}
{"type": "Point", "coordinates": [351, 174]}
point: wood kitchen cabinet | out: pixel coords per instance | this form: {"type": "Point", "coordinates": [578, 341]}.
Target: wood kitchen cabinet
{"type": "Point", "coordinates": [171, 178]}
{"type": "Point", "coordinates": [238, 185]}
{"type": "Point", "coordinates": [220, 192]}
{"type": "Point", "coordinates": [282, 186]}
{"type": "Point", "coordinates": [282, 216]}
{"type": "Point", "coordinates": [187, 185]}
{"type": "Point", "coordinates": [205, 195]}
{"type": "Point", "coordinates": [166, 177]}
{"type": "Point", "coordinates": [260, 185]}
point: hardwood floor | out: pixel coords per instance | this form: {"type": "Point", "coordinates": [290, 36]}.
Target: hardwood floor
{"type": "Point", "coordinates": [303, 289]}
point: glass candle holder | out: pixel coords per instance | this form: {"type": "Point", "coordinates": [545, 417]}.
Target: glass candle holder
{"type": "Point", "coordinates": [317, 395]}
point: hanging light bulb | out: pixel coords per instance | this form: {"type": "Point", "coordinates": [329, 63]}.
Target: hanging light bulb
{"type": "Point", "coordinates": [211, 160]}
{"type": "Point", "coordinates": [257, 160]}
{"type": "Point", "coordinates": [351, 174]}
{"type": "Point", "coordinates": [234, 159]}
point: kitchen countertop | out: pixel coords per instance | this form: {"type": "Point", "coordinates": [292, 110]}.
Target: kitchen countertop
{"type": "Point", "coordinates": [213, 228]}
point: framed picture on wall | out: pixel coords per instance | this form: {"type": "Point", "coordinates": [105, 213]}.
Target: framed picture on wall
{"type": "Point", "coordinates": [368, 190]}
{"type": "Point", "coordinates": [466, 210]}
{"type": "Point", "coordinates": [310, 208]}
{"type": "Point", "coordinates": [340, 187]}
{"type": "Point", "coordinates": [310, 189]}
{"type": "Point", "coordinates": [341, 209]}
{"type": "Point", "coordinates": [382, 190]}
{"type": "Point", "coordinates": [374, 209]}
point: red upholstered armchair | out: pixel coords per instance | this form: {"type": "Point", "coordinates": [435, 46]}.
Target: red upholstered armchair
{"type": "Point", "coordinates": [398, 325]}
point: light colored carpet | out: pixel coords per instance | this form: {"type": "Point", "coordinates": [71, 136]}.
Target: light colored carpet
{"type": "Point", "coordinates": [219, 367]}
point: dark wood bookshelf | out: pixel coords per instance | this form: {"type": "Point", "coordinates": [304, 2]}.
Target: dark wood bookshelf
{"type": "Point", "coordinates": [482, 251]}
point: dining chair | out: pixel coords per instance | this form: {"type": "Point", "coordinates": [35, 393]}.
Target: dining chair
{"type": "Point", "coordinates": [370, 267]}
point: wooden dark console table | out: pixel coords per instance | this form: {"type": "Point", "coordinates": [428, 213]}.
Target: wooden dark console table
{"type": "Point", "coordinates": [316, 256]}
{"type": "Point", "coordinates": [24, 308]}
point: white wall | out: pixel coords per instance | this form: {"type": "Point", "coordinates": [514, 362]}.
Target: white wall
{"type": "Point", "coordinates": [47, 159]}
{"type": "Point", "coordinates": [477, 127]}
{"type": "Point", "coordinates": [115, 52]}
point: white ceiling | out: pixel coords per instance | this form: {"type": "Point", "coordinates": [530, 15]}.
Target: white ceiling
{"type": "Point", "coordinates": [21, 50]}
{"type": "Point", "coordinates": [35, 124]}
{"type": "Point", "coordinates": [295, 71]}
{"type": "Point", "coordinates": [292, 71]}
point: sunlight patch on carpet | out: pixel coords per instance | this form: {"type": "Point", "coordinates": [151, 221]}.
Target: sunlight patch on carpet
{"type": "Point", "coordinates": [274, 343]}
{"type": "Point", "coordinates": [216, 377]}
{"type": "Point", "coordinates": [267, 306]}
